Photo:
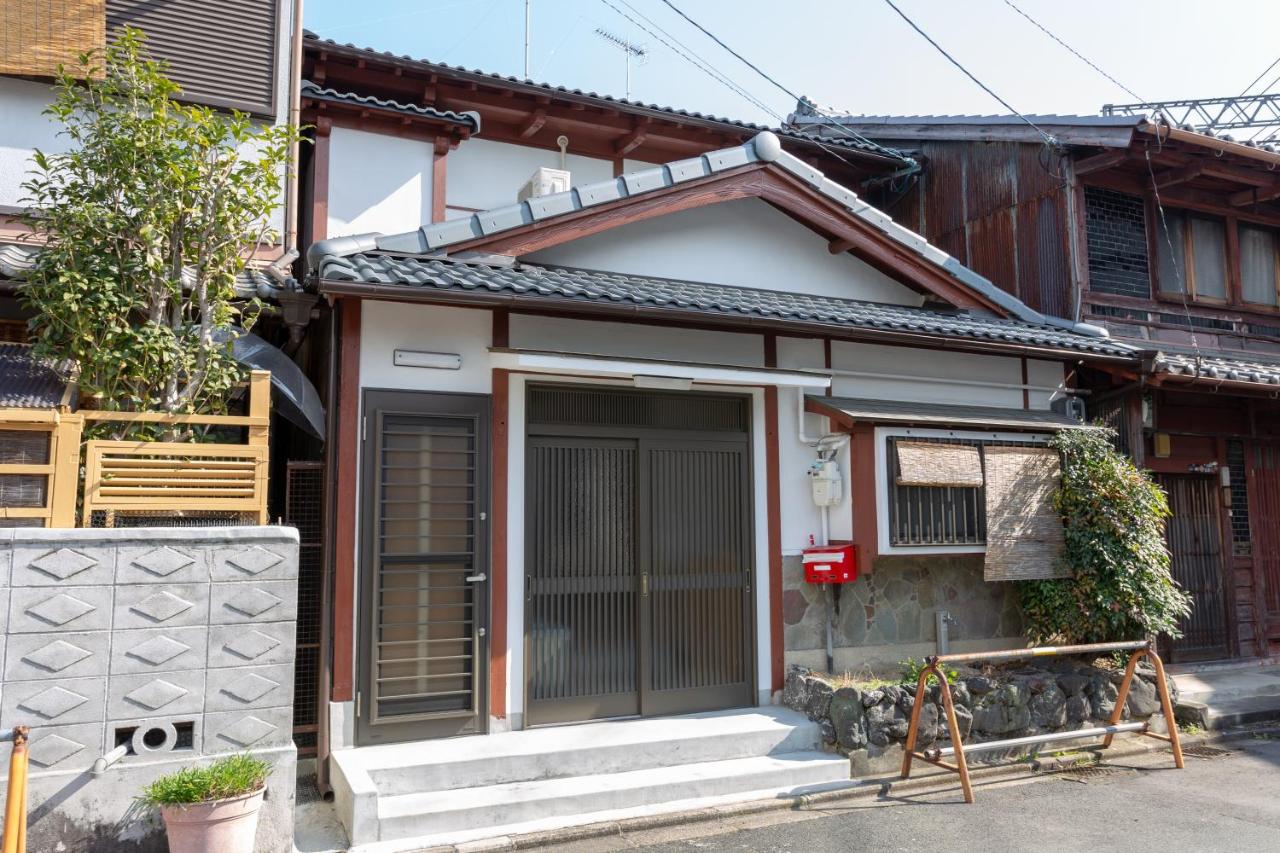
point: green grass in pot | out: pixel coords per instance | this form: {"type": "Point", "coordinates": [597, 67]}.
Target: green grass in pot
{"type": "Point", "coordinates": [228, 777]}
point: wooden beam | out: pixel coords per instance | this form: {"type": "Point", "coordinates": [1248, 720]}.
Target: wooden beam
{"type": "Point", "coordinates": [533, 124]}
{"type": "Point", "coordinates": [439, 179]}
{"type": "Point", "coordinates": [1257, 195]}
{"type": "Point", "coordinates": [773, 501]}
{"type": "Point", "coordinates": [1098, 162]}
{"type": "Point", "coordinates": [499, 436]}
{"type": "Point", "coordinates": [320, 181]}
{"type": "Point", "coordinates": [1170, 177]}
{"type": "Point", "coordinates": [839, 247]}
{"type": "Point", "coordinates": [344, 540]}
{"type": "Point", "coordinates": [632, 140]}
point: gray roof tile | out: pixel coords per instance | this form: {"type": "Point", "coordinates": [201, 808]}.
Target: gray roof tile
{"type": "Point", "coordinates": [26, 383]}
{"type": "Point", "coordinates": [562, 283]}
{"type": "Point", "coordinates": [468, 119]}
{"type": "Point", "coordinates": [1214, 367]}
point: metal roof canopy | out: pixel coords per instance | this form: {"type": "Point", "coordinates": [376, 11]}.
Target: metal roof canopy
{"type": "Point", "coordinates": [852, 409]}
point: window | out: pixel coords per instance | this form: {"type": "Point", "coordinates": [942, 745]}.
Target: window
{"type": "Point", "coordinates": [1242, 544]}
{"type": "Point", "coordinates": [940, 516]}
{"type": "Point", "coordinates": [1192, 256]}
{"type": "Point", "coordinates": [1258, 258]}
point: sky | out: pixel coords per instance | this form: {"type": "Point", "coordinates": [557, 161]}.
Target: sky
{"type": "Point", "coordinates": [852, 56]}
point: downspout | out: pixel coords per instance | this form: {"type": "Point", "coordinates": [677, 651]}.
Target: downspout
{"type": "Point", "coordinates": [828, 443]}
{"type": "Point", "coordinates": [279, 270]}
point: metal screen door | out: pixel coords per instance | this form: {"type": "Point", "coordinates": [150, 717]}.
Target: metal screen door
{"type": "Point", "coordinates": [1194, 534]}
{"type": "Point", "coordinates": [638, 562]}
{"type": "Point", "coordinates": [422, 657]}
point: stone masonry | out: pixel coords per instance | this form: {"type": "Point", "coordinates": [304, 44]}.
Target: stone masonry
{"type": "Point", "coordinates": [176, 641]}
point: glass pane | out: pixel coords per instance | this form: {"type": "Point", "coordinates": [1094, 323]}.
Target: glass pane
{"type": "Point", "coordinates": [1169, 231]}
{"type": "Point", "coordinates": [1209, 253]}
{"type": "Point", "coordinates": [1258, 265]}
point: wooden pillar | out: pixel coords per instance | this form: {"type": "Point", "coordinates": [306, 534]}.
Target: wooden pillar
{"type": "Point", "coordinates": [320, 180]}
{"type": "Point", "coordinates": [862, 498]}
{"type": "Point", "coordinates": [439, 179]}
{"type": "Point", "coordinates": [348, 488]}
{"type": "Point", "coordinates": [498, 561]}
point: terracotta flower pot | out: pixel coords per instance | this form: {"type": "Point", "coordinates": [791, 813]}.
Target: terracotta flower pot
{"type": "Point", "coordinates": [223, 826]}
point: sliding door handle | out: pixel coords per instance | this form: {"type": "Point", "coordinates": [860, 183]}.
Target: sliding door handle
{"type": "Point", "coordinates": [477, 578]}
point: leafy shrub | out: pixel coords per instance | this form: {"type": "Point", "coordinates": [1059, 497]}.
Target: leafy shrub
{"type": "Point", "coordinates": [227, 777]}
{"type": "Point", "coordinates": [1120, 586]}
{"type": "Point", "coordinates": [911, 669]}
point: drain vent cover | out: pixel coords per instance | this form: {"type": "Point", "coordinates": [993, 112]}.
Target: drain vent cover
{"type": "Point", "coordinates": [1091, 772]}
{"type": "Point", "coordinates": [1201, 751]}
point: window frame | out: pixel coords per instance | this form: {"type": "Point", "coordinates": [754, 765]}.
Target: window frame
{"type": "Point", "coordinates": [882, 468]}
{"type": "Point", "coordinates": [1275, 263]}
{"type": "Point", "coordinates": [1230, 242]}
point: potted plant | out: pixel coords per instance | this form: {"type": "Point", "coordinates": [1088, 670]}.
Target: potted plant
{"type": "Point", "coordinates": [211, 808]}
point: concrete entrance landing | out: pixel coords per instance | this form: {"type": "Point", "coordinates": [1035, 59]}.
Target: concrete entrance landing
{"type": "Point", "coordinates": [414, 795]}
{"type": "Point", "coordinates": [1231, 695]}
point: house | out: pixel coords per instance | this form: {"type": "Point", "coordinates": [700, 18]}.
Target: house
{"type": "Point", "coordinates": [1167, 237]}
{"type": "Point", "coordinates": [579, 388]}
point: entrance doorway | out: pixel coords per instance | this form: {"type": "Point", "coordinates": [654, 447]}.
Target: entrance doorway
{"type": "Point", "coordinates": [1194, 534]}
{"type": "Point", "coordinates": [424, 565]}
{"type": "Point", "coordinates": [638, 553]}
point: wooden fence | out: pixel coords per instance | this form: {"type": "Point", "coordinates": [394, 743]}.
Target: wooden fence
{"type": "Point", "coordinates": [147, 479]}
{"type": "Point", "coordinates": [39, 467]}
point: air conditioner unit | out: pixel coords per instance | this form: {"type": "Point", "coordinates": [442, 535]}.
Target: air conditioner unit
{"type": "Point", "coordinates": [544, 182]}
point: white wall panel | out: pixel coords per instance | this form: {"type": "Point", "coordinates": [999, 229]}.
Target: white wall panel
{"type": "Point", "coordinates": [484, 174]}
{"type": "Point", "coordinates": [24, 129]}
{"type": "Point", "coordinates": [635, 340]}
{"type": "Point", "coordinates": [388, 326]}
{"type": "Point", "coordinates": [377, 183]}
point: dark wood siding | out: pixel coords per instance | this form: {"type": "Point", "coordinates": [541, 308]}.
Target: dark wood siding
{"type": "Point", "coordinates": [221, 52]}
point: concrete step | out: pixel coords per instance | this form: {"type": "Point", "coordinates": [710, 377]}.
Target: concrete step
{"type": "Point", "coordinates": [495, 810]}
{"type": "Point", "coordinates": [586, 750]}
{"type": "Point", "coordinates": [1229, 713]}
{"type": "Point", "coordinates": [1212, 687]}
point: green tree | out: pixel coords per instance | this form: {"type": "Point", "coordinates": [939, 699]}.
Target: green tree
{"type": "Point", "coordinates": [1120, 586]}
{"type": "Point", "coordinates": [147, 218]}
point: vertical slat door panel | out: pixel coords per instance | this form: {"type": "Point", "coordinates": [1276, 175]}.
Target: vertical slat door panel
{"type": "Point", "coordinates": [1194, 536]}
{"type": "Point", "coordinates": [699, 563]}
{"type": "Point", "coordinates": [1264, 495]}
{"type": "Point", "coordinates": [424, 567]}
{"type": "Point", "coordinates": [581, 579]}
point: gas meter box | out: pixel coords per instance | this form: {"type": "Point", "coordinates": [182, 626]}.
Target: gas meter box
{"type": "Point", "coordinates": [831, 563]}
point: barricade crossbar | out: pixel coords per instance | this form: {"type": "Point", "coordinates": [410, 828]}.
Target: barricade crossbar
{"type": "Point", "coordinates": [958, 750]}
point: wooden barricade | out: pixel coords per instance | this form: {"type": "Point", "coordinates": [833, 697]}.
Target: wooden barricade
{"type": "Point", "coordinates": [1139, 649]}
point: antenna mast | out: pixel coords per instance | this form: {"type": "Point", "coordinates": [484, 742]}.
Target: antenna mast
{"type": "Point", "coordinates": [629, 49]}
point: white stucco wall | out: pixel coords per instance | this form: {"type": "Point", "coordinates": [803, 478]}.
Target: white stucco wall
{"type": "Point", "coordinates": [484, 174]}
{"type": "Point", "coordinates": [743, 243]}
{"type": "Point", "coordinates": [24, 128]}
{"type": "Point", "coordinates": [635, 340]}
{"type": "Point", "coordinates": [388, 326]}
{"type": "Point", "coordinates": [377, 183]}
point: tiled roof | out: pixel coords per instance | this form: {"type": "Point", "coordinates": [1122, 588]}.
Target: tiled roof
{"type": "Point", "coordinates": [18, 259]}
{"type": "Point", "coordinates": [26, 383]}
{"type": "Point", "coordinates": [1213, 367]}
{"type": "Point", "coordinates": [530, 282]}
{"type": "Point", "coordinates": [845, 142]}
{"type": "Point", "coordinates": [803, 117]}
{"type": "Point", "coordinates": [469, 119]}
{"type": "Point", "coordinates": [764, 147]}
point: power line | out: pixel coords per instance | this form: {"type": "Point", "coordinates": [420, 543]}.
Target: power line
{"type": "Point", "coordinates": [1274, 63]}
{"type": "Point", "coordinates": [797, 98]}
{"type": "Point", "coordinates": [1049, 140]}
{"type": "Point", "coordinates": [1081, 56]}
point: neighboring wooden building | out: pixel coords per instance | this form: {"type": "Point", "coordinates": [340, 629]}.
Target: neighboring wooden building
{"type": "Point", "coordinates": [1171, 240]}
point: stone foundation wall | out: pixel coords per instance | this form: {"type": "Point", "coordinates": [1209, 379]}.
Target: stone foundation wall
{"type": "Point", "coordinates": [869, 723]}
{"type": "Point", "coordinates": [888, 613]}
{"type": "Point", "coordinates": [176, 641]}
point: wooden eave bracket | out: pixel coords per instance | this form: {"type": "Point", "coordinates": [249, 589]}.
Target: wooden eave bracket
{"type": "Point", "coordinates": [634, 139]}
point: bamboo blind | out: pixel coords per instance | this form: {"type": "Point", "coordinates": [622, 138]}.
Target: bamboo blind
{"type": "Point", "coordinates": [923, 463]}
{"type": "Point", "coordinates": [1024, 531]}
{"type": "Point", "coordinates": [36, 36]}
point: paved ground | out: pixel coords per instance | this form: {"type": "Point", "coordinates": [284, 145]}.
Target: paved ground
{"type": "Point", "coordinates": [1229, 803]}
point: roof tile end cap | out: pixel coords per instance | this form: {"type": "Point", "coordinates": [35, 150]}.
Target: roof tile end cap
{"type": "Point", "coordinates": [768, 146]}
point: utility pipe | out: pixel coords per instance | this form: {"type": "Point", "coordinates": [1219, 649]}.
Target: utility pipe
{"type": "Point", "coordinates": [1031, 740]}
{"type": "Point", "coordinates": [278, 269]}
{"type": "Point", "coordinates": [100, 766]}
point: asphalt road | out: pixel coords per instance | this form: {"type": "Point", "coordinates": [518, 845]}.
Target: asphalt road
{"type": "Point", "coordinates": [1229, 803]}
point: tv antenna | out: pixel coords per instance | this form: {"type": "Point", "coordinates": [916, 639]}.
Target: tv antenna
{"type": "Point", "coordinates": [629, 50]}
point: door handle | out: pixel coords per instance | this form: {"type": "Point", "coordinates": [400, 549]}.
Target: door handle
{"type": "Point", "coordinates": [644, 584]}
{"type": "Point", "coordinates": [477, 578]}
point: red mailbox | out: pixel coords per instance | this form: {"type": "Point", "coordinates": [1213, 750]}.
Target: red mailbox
{"type": "Point", "coordinates": [831, 563]}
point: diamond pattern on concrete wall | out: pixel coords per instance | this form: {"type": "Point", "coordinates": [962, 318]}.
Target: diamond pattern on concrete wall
{"type": "Point", "coordinates": [247, 730]}
{"type": "Point", "coordinates": [250, 688]}
{"type": "Point", "coordinates": [254, 561]}
{"type": "Point", "coordinates": [162, 562]}
{"type": "Point", "coordinates": [48, 750]}
{"type": "Point", "coordinates": [162, 606]}
{"type": "Point", "coordinates": [253, 602]}
{"type": "Point", "coordinates": [63, 563]}
{"type": "Point", "coordinates": [158, 650]}
{"type": "Point", "coordinates": [252, 645]}
{"type": "Point", "coordinates": [56, 656]}
{"type": "Point", "coordinates": [156, 694]}
{"type": "Point", "coordinates": [53, 703]}
{"type": "Point", "coordinates": [60, 609]}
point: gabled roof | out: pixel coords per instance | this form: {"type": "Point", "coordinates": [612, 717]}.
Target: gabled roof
{"type": "Point", "coordinates": [842, 141]}
{"type": "Point", "coordinates": [764, 150]}
{"type": "Point", "coordinates": [1213, 367]}
{"type": "Point", "coordinates": [466, 119]}
{"type": "Point", "coordinates": [1067, 129]}
{"type": "Point", "coordinates": [442, 279]}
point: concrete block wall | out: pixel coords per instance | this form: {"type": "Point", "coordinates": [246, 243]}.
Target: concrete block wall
{"type": "Point", "coordinates": [178, 641]}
